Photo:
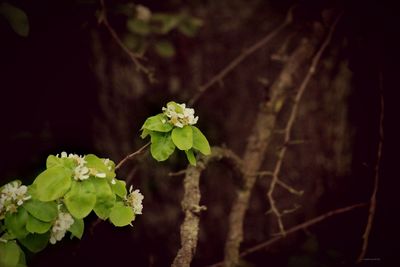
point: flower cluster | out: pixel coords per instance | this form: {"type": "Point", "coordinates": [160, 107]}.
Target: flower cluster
{"type": "Point", "coordinates": [134, 199]}
{"type": "Point", "coordinates": [179, 115]}
{"type": "Point", "coordinates": [60, 226]}
{"type": "Point", "coordinates": [12, 196]}
{"type": "Point", "coordinates": [81, 171]}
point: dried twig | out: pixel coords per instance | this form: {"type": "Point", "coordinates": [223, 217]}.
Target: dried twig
{"type": "Point", "coordinates": [295, 229]}
{"type": "Point", "coordinates": [247, 52]}
{"type": "Point", "coordinates": [372, 204]}
{"type": "Point", "coordinates": [134, 57]}
{"type": "Point", "coordinates": [130, 156]}
{"type": "Point", "coordinates": [289, 126]}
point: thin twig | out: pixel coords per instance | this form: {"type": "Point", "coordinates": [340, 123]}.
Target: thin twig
{"type": "Point", "coordinates": [290, 123]}
{"type": "Point", "coordinates": [295, 229]}
{"type": "Point", "coordinates": [130, 156]}
{"type": "Point", "coordinates": [372, 204]}
{"type": "Point", "coordinates": [134, 57]}
{"type": "Point", "coordinates": [218, 78]}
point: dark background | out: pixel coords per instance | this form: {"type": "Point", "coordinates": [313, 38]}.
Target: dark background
{"type": "Point", "coordinates": [69, 87]}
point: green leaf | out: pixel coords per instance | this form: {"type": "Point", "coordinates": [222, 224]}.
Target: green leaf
{"type": "Point", "coordinates": [16, 18]}
{"type": "Point", "coordinates": [80, 200]}
{"type": "Point", "coordinates": [138, 26]}
{"type": "Point", "coordinates": [158, 123]}
{"type": "Point", "coordinates": [34, 225]}
{"type": "Point", "coordinates": [121, 215]}
{"type": "Point", "coordinates": [190, 26]}
{"type": "Point", "coordinates": [200, 141]}
{"type": "Point", "coordinates": [190, 156]}
{"type": "Point", "coordinates": [164, 48]}
{"type": "Point", "coordinates": [77, 228]}
{"type": "Point", "coordinates": [9, 254]}
{"type": "Point", "coordinates": [145, 133]}
{"type": "Point", "coordinates": [53, 183]}
{"type": "Point", "coordinates": [53, 161]}
{"type": "Point", "coordinates": [161, 146]}
{"type": "Point", "coordinates": [94, 162]}
{"type": "Point", "coordinates": [164, 23]}
{"type": "Point", "coordinates": [21, 261]}
{"type": "Point", "coordinates": [105, 198]}
{"type": "Point", "coordinates": [183, 137]}
{"type": "Point", "coordinates": [16, 222]}
{"type": "Point", "coordinates": [35, 242]}
{"type": "Point", "coordinates": [175, 105]}
{"type": "Point", "coordinates": [119, 188]}
{"type": "Point", "coordinates": [44, 211]}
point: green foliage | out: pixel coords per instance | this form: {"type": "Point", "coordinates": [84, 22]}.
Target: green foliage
{"type": "Point", "coordinates": [16, 222]}
{"type": "Point", "coordinates": [174, 129]}
{"type": "Point", "coordinates": [80, 200]}
{"type": "Point", "coordinates": [53, 183]}
{"type": "Point", "coordinates": [16, 17]}
{"type": "Point", "coordinates": [119, 188]}
{"type": "Point", "coordinates": [164, 48]}
{"type": "Point", "coordinates": [44, 211]}
{"type": "Point", "coordinates": [200, 142]}
{"type": "Point", "coordinates": [34, 225]}
{"type": "Point", "coordinates": [105, 198]}
{"type": "Point", "coordinates": [35, 242]}
{"type": "Point", "coordinates": [190, 156]}
{"type": "Point", "coordinates": [11, 255]}
{"type": "Point", "coordinates": [77, 228]}
{"type": "Point", "coordinates": [150, 30]}
{"type": "Point", "coordinates": [183, 137]}
{"type": "Point", "coordinates": [58, 200]}
{"type": "Point", "coordinates": [73, 186]}
{"type": "Point", "coordinates": [161, 146]}
{"type": "Point", "coordinates": [121, 215]}
{"type": "Point", "coordinates": [157, 124]}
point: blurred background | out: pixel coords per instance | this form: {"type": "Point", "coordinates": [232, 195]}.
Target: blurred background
{"type": "Point", "coordinates": [66, 85]}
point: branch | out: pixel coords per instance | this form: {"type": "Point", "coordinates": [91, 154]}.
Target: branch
{"type": "Point", "coordinates": [130, 156]}
{"type": "Point", "coordinates": [295, 229]}
{"type": "Point", "coordinates": [290, 123]}
{"type": "Point", "coordinates": [247, 52]}
{"type": "Point", "coordinates": [190, 225]}
{"type": "Point", "coordinates": [372, 205]}
{"type": "Point", "coordinates": [257, 145]}
{"type": "Point", "coordinates": [191, 205]}
{"type": "Point", "coordinates": [134, 57]}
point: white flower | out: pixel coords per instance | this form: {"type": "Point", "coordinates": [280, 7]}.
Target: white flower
{"type": "Point", "coordinates": [108, 163]}
{"type": "Point", "coordinates": [179, 115]}
{"type": "Point", "coordinates": [143, 13]}
{"type": "Point", "coordinates": [12, 196]}
{"type": "Point", "coordinates": [134, 200]}
{"type": "Point", "coordinates": [101, 175]}
{"type": "Point", "coordinates": [81, 172]}
{"type": "Point", "coordinates": [60, 226]}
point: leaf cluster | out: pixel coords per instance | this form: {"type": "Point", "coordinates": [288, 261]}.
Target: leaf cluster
{"type": "Point", "coordinates": [55, 190]}
{"type": "Point", "coordinates": [165, 137]}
